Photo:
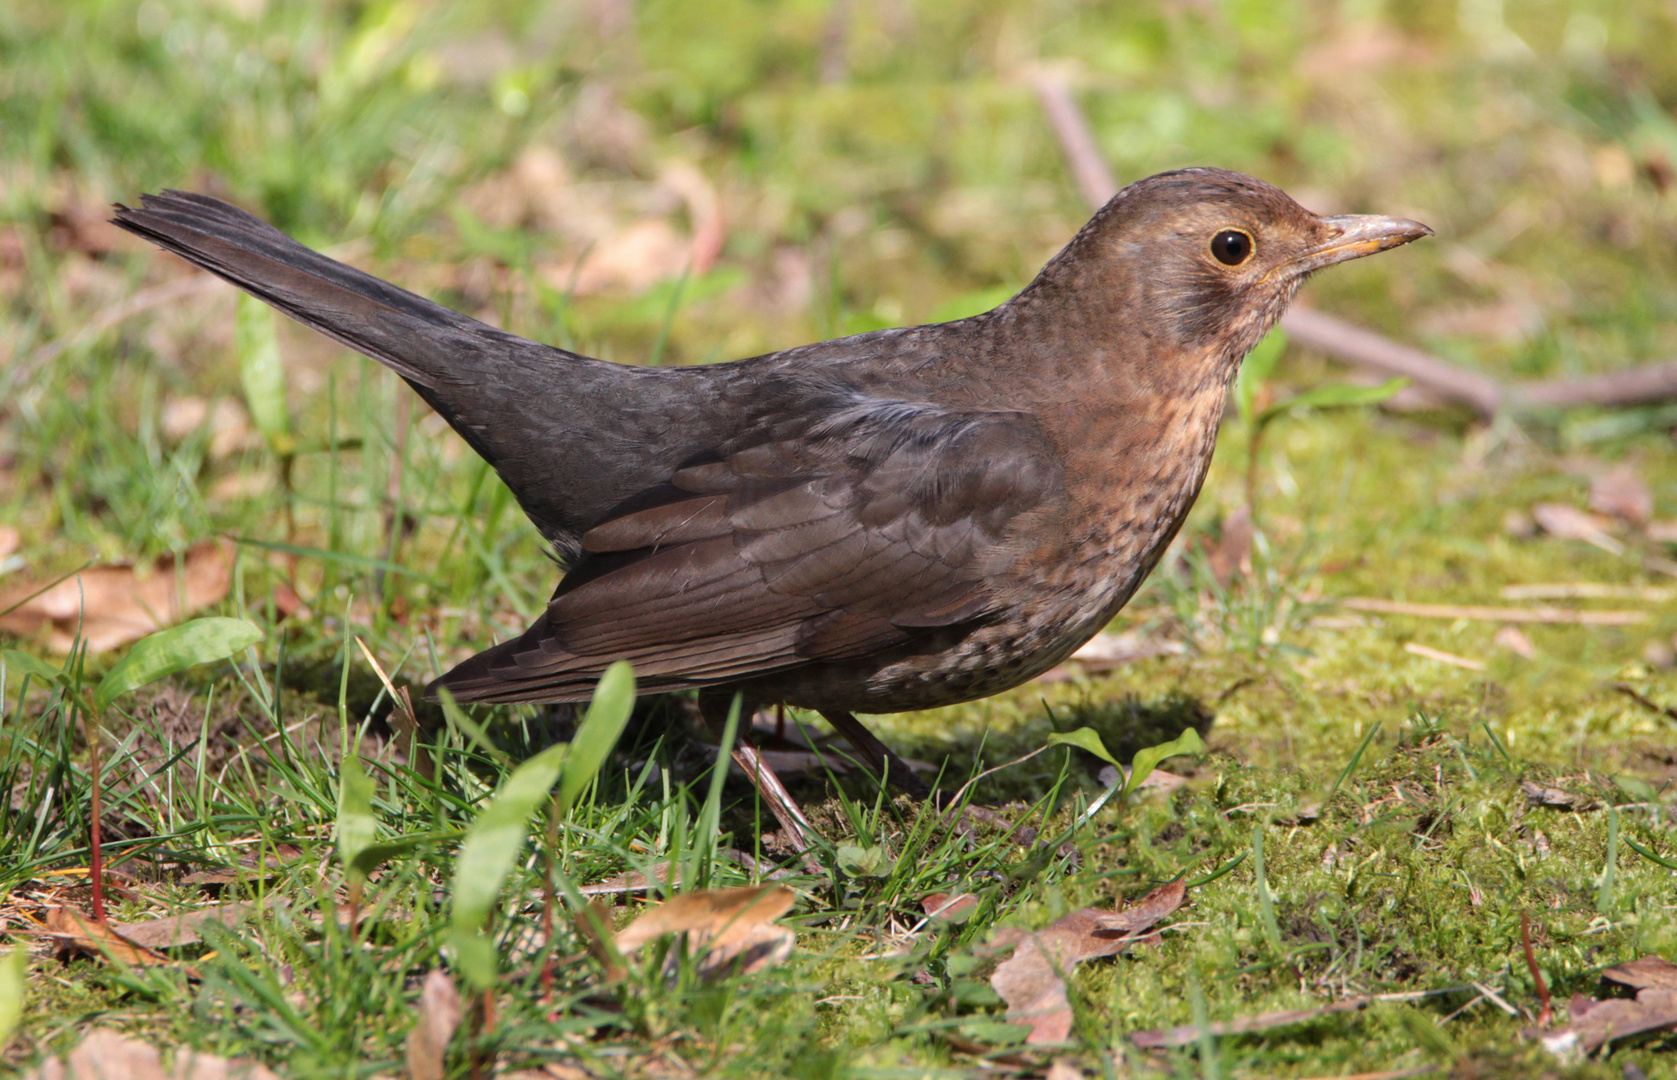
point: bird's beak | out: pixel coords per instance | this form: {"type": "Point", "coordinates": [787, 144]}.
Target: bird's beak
{"type": "Point", "coordinates": [1351, 236]}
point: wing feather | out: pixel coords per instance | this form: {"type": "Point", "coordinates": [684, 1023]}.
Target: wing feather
{"type": "Point", "coordinates": [829, 536]}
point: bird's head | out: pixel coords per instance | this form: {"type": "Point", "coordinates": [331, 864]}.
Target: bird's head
{"type": "Point", "coordinates": [1199, 263]}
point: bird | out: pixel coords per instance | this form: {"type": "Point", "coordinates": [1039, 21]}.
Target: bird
{"type": "Point", "coordinates": [896, 520]}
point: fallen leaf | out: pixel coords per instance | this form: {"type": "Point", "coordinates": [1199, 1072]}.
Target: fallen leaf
{"type": "Point", "coordinates": [9, 540]}
{"type": "Point", "coordinates": [249, 868]}
{"type": "Point", "coordinates": [106, 1055]}
{"type": "Point", "coordinates": [1622, 493]}
{"type": "Point", "coordinates": [663, 873]}
{"type": "Point", "coordinates": [1515, 641]}
{"type": "Point", "coordinates": [630, 260]}
{"type": "Point", "coordinates": [723, 927]}
{"type": "Point", "coordinates": [439, 1016]}
{"type": "Point", "coordinates": [1105, 651]}
{"type": "Point", "coordinates": [172, 931]}
{"type": "Point", "coordinates": [1649, 973]}
{"type": "Point", "coordinates": [115, 605]}
{"type": "Point", "coordinates": [1233, 552]}
{"type": "Point", "coordinates": [1032, 980]}
{"type": "Point", "coordinates": [230, 429]}
{"type": "Point", "coordinates": [1554, 797]}
{"type": "Point", "coordinates": [75, 934]}
{"type": "Point", "coordinates": [949, 907]}
{"type": "Point", "coordinates": [1571, 523]}
{"type": "Point", "coordinates": [1595, 1023]}
{"type": "Point", "coordinates": [1063, 1070]}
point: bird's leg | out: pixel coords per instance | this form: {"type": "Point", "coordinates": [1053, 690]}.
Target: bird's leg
{"type": "Point", "coordinates": [714, 707]}
{"type": "Point", "coordinates": [877, 756]}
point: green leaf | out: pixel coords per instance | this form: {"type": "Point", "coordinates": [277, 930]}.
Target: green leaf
{"type": "Point", "coordinates": [166, 652]}
{"type": "Point", "coordinates": [1189, 742]}
{"type": "Point", "coordinates": [1256, 370]}
{"type": "Point", "coordinates": [863, 862]}
{"type": "Point", "coordinates": [262, 373]}
{"type": "Point", "coordinates": [492, 845]}
{"type": "Point", "coordinates": [1084, 739]}
{"type": "Point", "coordinates": [357, 827]}
{"type": "Point", "coordinates": [21, 663]}
{"type": "Point", "coordinates": [1335, 396]}
{"type": "Point", "coordinates": [608, 714]}
{"type": "Point", "coordinates": [13, 967]}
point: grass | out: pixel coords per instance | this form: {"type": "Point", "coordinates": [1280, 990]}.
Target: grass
{"type": "Point", "coordinates": [473, 151]}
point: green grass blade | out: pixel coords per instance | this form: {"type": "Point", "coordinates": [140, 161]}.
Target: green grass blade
{"type": "Point", "coordinates": [1189, 742]}
{"type": "Point", "coordinates": [13, 967]}
{"type": "Point", "coordinates": [608, 713]}
{"type": "Point", "coordinates": [167, 652]}
{"type": "Point", "coordinates": [262, 373]}
{"type": "Point", "coordinates": [357, 827]}
{"type": "Point", "coordinates": [1084, 738]}
{"type": "Point", "coordinates": [487, 855]}
{"type": "Point", "coordinates": [22, 663]}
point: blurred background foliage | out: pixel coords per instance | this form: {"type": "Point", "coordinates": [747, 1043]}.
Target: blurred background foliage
{"type": "Point", "coordinates": [683, 181]}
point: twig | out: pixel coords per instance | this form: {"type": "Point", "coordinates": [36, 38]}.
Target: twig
{"type": "Point", "coordinates": [1094, 176]}
{"type": "Point", "coordinates": [1369, 350]}
{"type": "Point", "coordinates": [1546, 1012]}
{"type": "Point", "coordinates": [1633, 386]}
{"type": "Point", "coordinates": [1482, 613]}
{"type": "Point", "coordinates": [1646, 702]}
{"type": "Point", "coordinates": [1415, 648]}
{"type": "Point", "coordinates": [1353, 344]}
{"type": "Point", "coordinates": [1589, 590]}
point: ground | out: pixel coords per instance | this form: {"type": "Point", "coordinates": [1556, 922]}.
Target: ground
{"type": "Point", "coordinates": [1388, 799]}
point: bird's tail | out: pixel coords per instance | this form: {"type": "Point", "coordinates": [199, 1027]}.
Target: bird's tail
{"type": "Point", "coordinates": [417, 338]}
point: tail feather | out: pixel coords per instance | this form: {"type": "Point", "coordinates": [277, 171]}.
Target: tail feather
{"type": "Point", "coordinates": [419, 339]}
{"type": "Point", "coordinates": [571, 436]}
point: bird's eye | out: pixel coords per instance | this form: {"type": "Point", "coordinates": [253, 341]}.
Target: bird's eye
{"type": "Point", "coordinates": [1232, 247]}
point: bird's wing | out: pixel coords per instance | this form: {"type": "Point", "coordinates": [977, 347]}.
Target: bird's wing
{"type": "Point", "coordinates": [829, 536]}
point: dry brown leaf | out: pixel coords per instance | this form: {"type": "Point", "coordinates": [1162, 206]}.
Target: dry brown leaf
{"type": "Point", "coordinates": [724, 927]}
{"type": "Point", "coordinates": [230, 429]}
{"type": "Point", "coordinates": [1596, 1023]}
{"type": "Point", "coordinates": [1555, 798]}
{"type": "Point", "coordinates": [107, 1055]}
{"type": "Point", "coordinates": [249, 868]}
{"type": "Point", "coordinates": [1571, 523]}
{"type": "Point", "coordinates": [593, 924]}
{"type": "Point", "coordinates": [949, 907]}
{"type": "Point", "coordinates": [115, 605]}
{"type": "Point", "coordinates": [1233, 553]}
{"type": "Point", "coordinates": [635, 881]}
{"type": "Point", "coordinates": [1515, 641]}
{"type": "Point", "coordinates": [1105, 651]}
{"type": "Point", "coordinates": [1622, 493]}
{"type": "Point", "coordinates": [1063, 1070]}
{"type": "Point", "coordinates": [439, 1016]}
{"type": "Point", "coordinates": [1662, 532]}
{"type": "Point", "coordinates": [183, 928]}
{"type": "Point", "coordinates": [1649, 973]}
{"type": "Point", "coordinates": [630, 260]}
{"type": "Point", "coordinates": [75, 933]}
{"type": "Point", "coordinates": [1032, 980]}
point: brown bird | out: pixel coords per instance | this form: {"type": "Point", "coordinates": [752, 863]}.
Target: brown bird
{"type": "Point", "coordinates": [897, 520]}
